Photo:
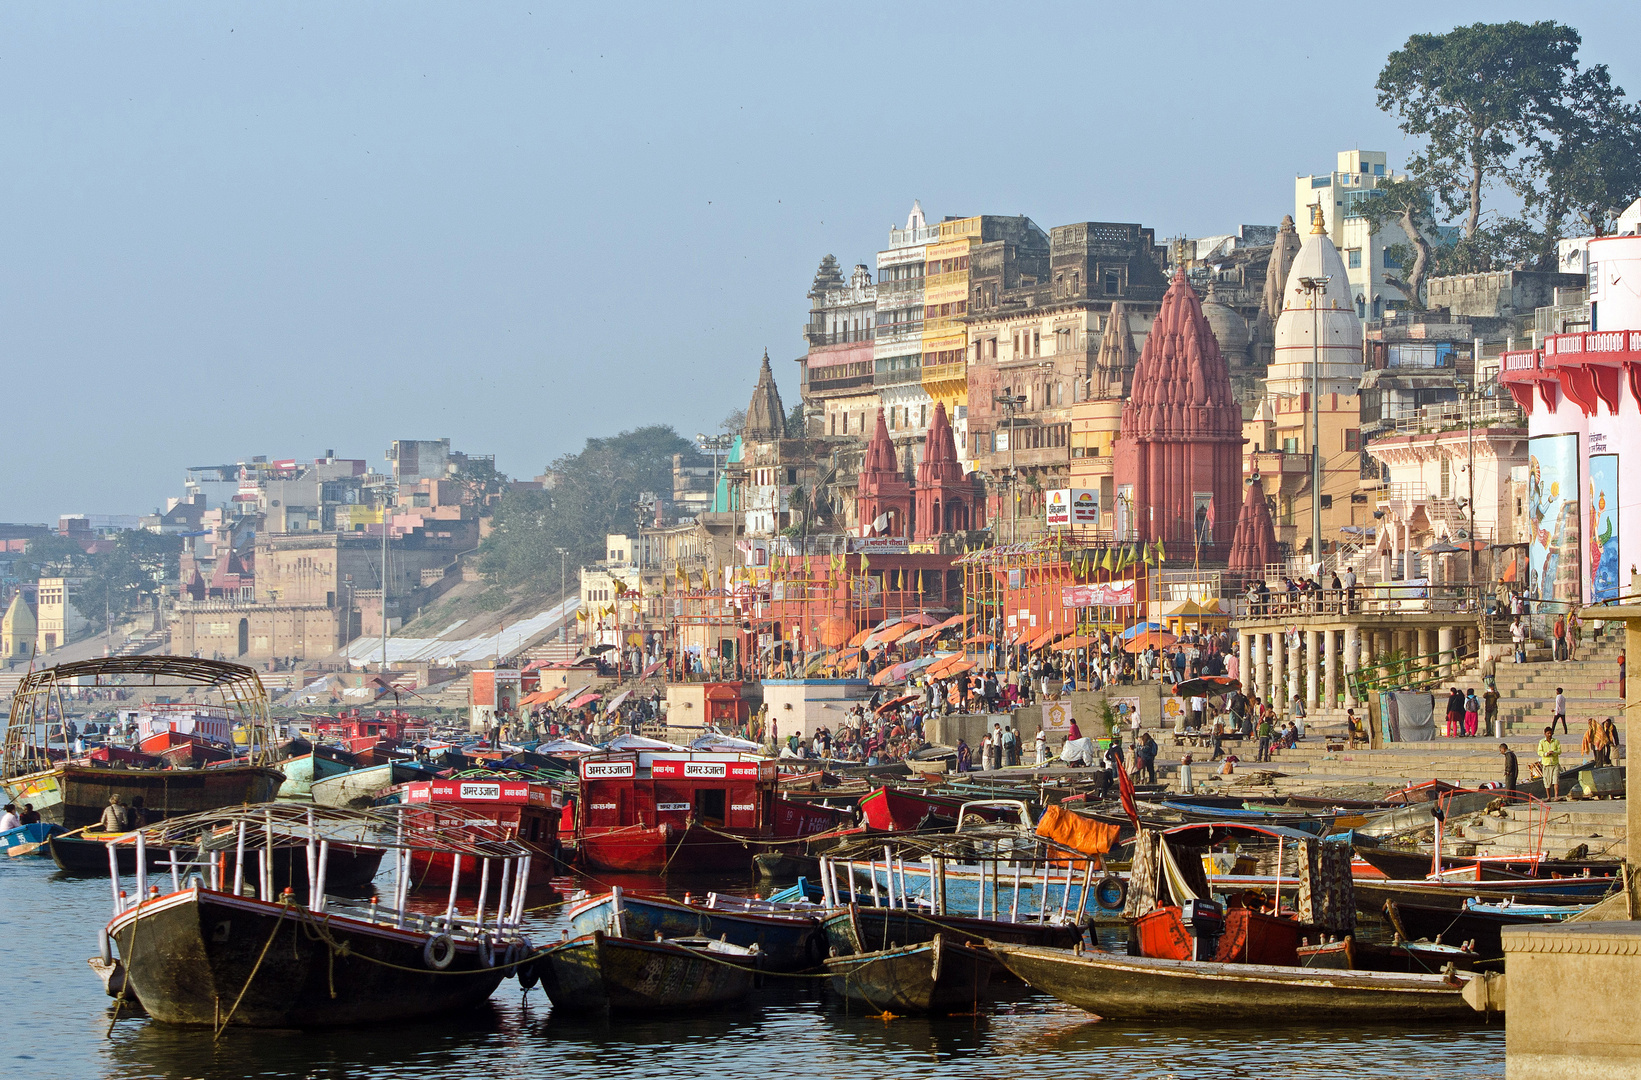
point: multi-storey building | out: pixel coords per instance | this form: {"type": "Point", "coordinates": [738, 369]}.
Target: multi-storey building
{"type": "Point", "coordinates": [1038, 309]}
{"type": "Point", "coordinates": [898, 349]}
{"type": "Point", "coordinates": [837, 371]}
{"type": "Point", "coordinates": [1339, 194]}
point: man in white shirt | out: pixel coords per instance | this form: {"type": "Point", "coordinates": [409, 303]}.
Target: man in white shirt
{"type": "Point", "coordinates": [9, 819]}
{"type": "Point", "coordinates": [1348, 581]}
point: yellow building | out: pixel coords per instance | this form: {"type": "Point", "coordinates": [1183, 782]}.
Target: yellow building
{"type": "Point", "coordinates": [945, 303]}
{"type": "Point", "coordinates": [57, 620]}
{"type": "Point", "coordinates": [17, 630]}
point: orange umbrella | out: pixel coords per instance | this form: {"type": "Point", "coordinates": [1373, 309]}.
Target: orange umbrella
{"type": "Point", "coordinates": [860, 639]}
{"type": "Point", "coordinates": [834, 631]}
{"type": "Point", "coordinates": [956, 620]}
{"type": "Point", "coordinates": [1076, 641]}
{"type": "Point", "coordinates": [850, 664]}
{"type": "Point", "coordinates": [884, 677]}
{"type": "Point", "coordinates": [979, 639]}
{"type": "Point", "coordinates": [895, 632]}
{"type": "Point", "coordinates": [957, 665]}
{"type": "Point", "coordinates": [1158, 638]}
{"type": "Point", "coordinates": [1044, 638]}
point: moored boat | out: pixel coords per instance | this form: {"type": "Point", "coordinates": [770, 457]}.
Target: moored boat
{"type": "Point", "coordinates": [598, 972]}
{"type": "Point", "coordinates": [1347, 954]}
{"type": "Point", "coordinates": [1141, 988]}
{"type": "Point", "coordinates": [227, 945]}
{"type": "Point", "coordinates": [857, 929]}
{"type": "Point", "coordinates": [788, 942]}
{"type": "Point", "coordinates": [524, 812]}
{"type": "Point", "coordinates": [27, 839]}
{"type": "Point", "coordinates": [359, 788]}
{"type": "Point", "coordinates": [302, 770]}
{"type": "Point", "coordinates": [937, 976]}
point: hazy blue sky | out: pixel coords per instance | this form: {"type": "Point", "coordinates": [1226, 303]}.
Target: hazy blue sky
{"type": "Point", "coordinates": [281, 228]}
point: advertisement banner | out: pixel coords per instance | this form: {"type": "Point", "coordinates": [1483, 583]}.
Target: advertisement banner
{"type": "Point", "coordinates": [1554, 567]}
{"type": "Point", "coordinates": [1102, 594]}
{"type": "Point", "coordinates": [1603, 517]}
{"type": "Point", "coordinates": [1073, 506]}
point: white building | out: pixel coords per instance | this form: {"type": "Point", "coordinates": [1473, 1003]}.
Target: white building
{"type": "Point", "coordinates": [1338, 193]}
{"type": "Point", "coordinates": [897, 353]}
{"type": "Point", "coordinates": [1317, 329]}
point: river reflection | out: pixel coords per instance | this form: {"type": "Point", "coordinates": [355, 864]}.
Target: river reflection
{"type": "Point", "coordinates": [57, 1017]}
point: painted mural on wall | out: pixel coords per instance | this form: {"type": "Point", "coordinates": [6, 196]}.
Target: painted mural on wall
{"type": "Point", "coordinates": [1553, 513]}
{"type": "Point", "coordinates": [1602, 510]}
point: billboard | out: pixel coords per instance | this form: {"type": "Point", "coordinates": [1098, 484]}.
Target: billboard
{"type": "Point", "coordinates": [1073, 506]}
{"type": "Point", "coordinates": [1602, 513]}
{"type": "Point", "coordinates": [1553, 571]}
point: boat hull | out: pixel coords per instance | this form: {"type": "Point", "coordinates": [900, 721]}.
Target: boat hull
{"type": "Point", "coordinates": [663, 849]}
{"type": "Point", "coordinates": [348, 867]}
{"type": "Point", "coordinates": [1140, 988]}
{"type": "Point", "coordinates": [598, 973]}
{"type": "Point", "coordinates": [937, 976]}
{"type": "Point", "coordinates": [189, 955]}
{"type": "Point", "coordinates": [301, 772]}
{"type": "Point", "coordinates": [355, 788]}
{"type": "Point", "coordinates": [786, 943]}
{"type": "Point", "coordinates": [859, 929]}
{"type": "Point", "coordinates": [75, 796]}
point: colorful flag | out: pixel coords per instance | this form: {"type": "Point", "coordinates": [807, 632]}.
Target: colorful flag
{"type": "Point", "coordinates": [1161, 554]}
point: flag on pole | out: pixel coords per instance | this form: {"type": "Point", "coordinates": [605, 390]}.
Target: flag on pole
{"type": "Point", "coordinates": [1161, 554]}
{"type": "Point", "coordinates": [1125, 791]}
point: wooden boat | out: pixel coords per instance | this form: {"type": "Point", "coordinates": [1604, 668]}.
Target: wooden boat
{"type": "Point", "coordinates": [891, 809]}
{"type": "Point", "coordinates": [27, 839]}
{"type": "Point", "coordinates": [74, 796]}
{"type": "Point", "coordinates": [348, 866]}
{"type": "Point", "coordinates": [685, 812]}
{"type": "Point", "coordinates": [857, 929]}
{"type": "Point", "coordinates": [937, 976]}
{"type": "Point", "coordinates": [518, 810]}
{"type": "Point", "coordinates": [1250, 937]}
{"type": "Point", "coordinates": [358, 788]}
{"type": "Point", "coordinates": [181, 751]}
{"type": "Point", "coordinates": [1141, 988]}
{"type": "Point", "coordinates": [1349, 954]}
{"type": "Point", "coordinates": [787, 942]}
{"type": "Point", "coordinates": [1479, 928]}
{"type": "Point", "coordinates": [598, 972]}
{"type": "Point", "coordinates": [214, 953]}
{"type": "Point", "coordinates": [302, 770]}
{"type": "Point", "coordinates": [1413, 865]}
{"type": "Point", "coordinates": [1371, 894]}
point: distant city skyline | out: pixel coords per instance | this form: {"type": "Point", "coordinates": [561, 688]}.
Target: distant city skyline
{"type": "Point", "coordinates": [240, 230]}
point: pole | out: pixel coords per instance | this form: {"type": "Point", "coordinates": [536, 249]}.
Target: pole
{"type": "Point", "coordinates": [386, 512]}
{"type": "Point", "coordinates": [1316, 430]}
{"type": "Point", "coordinates": [1470, 440]}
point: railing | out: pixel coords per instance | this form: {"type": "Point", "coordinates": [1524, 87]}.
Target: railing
{"type": "Point", "coordinates": [840, 337]}
{"type": "Point", "coordinates": [894, 378]}
{"type": "Point", "coordinates": [1377, 598]}
{"type": "Point", "coordinates": [943, 372]}
{"type": "Point", "coordinates": [1419, 672]}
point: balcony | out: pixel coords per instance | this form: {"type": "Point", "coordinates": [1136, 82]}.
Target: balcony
{"type": "Point", "coordinates": [933, 373]}
{"type": "Point", "coordinates": [818, 338]}
{"type": "Point", "coordinates": [898, 377]}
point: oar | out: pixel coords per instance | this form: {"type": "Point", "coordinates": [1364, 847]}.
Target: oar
{"type": "Point", "coordinates": [34, 847]}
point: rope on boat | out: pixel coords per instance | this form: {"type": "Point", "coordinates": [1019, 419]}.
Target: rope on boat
{"type": "Point", "coordinates": [284, 909]}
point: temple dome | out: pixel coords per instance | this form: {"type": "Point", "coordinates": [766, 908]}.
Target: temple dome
{"type": "Point", "coordinates": [1335, 318]}
{"type": "Point", "coordinates": [1230, 329]}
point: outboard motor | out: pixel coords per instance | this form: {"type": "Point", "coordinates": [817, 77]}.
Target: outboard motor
{"type": "Point", "coordinates": [1205, 921]}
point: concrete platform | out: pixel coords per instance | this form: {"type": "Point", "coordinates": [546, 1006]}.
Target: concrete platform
{"type": "Point", "coordinates": [1574, 1008]}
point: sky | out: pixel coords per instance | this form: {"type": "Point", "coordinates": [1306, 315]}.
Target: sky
{"type": "Point", "coordinates": [281, 229]}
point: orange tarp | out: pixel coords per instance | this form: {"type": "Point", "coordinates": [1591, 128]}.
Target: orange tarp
{"type": "Point", "coordinates": [1076, 832]}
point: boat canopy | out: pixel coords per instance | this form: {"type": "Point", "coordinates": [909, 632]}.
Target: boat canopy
{"type": "Point", "coordinates": [289, 825]}
{"type": "Point", "coordinates": [1202, 833]}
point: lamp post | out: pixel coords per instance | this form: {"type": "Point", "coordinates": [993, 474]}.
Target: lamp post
{"type": "Point", "coordinates": [1315, 288]}
{"type": "Point", "coordinates": [563, 585]}
{"type": "Point", "coordinates": [1010, 403]}
{"type": "Point", "coordinates": [388, 493]}
{"type": "Point", "coordinates": [1468, 392]}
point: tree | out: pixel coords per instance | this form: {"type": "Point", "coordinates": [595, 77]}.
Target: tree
{"type": "Point", "coordinates": [479, 481]}
{"type": "Point", "coordinates": [589, 495]}
{"type": "Point", "coordinates": [52, 555]}
{"type": "Point", "coordinates": [795, 422]}
{"type": "Point", "coordinates": [126, 578]}
{"type": "Point", "coordinates": [1407, 203]}
{"type": "Point", "coordinates": [735, 422]}
{"type": "Point", "coordinates": [1477, 95]}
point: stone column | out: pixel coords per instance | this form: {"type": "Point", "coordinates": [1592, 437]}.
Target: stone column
{"type": "Point", "coordinates": [1244, 658]}
{"type": "Point", "coordinates": [1313, 664]}
{"type": "Point", "coordinates": [1277, 691]}
{"type": "Point", "coordinates": [1257, 678]}
{"type": "Point", "coordinates": [1444, 642]}
{"type": "Point", "coordinates": [1422, 637]}
{"type": "Point", "coordinates": [1330, 668]}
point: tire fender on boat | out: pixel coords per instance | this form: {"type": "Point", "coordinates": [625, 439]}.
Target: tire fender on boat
{"type": "Point", "coordinates": [529, 974]}
{"type": "Point", "coordinates": [1110, 893]}
{"type": "Point", "coordinates": [487, 951]}
{"type": "Point", "coordinates": [439, 951]}
{"type": "Point", "coordinates": [510, 959]}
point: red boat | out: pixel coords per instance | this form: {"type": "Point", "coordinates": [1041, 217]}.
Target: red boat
{"type": "Point", "coordinates": [475, 810]}
{"type": "Point", "coordinates": [185, 751]}
{"type": "Point", "coordinates": [898, 810]}
{"type": "Point", "coordinates": [1250, 937]}
{"type": "Point", "coordinates": [654, 813]}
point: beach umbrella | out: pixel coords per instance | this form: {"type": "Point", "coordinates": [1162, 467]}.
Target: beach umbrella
{"type": "Point", "coordinates": [834, 631]}
{"type": "Point", "coordinates": [1157, 638]}
{"type": "Point", "coordinates": [979, 639]}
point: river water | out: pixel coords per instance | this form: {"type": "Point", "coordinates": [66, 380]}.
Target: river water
{"type": "Point", "coordinates": [56, 1027]}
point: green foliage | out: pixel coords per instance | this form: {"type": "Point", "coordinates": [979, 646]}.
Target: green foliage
{"type": "Point", "coordinates": [52, 556]}
{"type": "Point", "coordinates": [795, 422]}
{"type": "Point", "coordinates": [1506, 107]}
{"type": "Point", "coordinates": [492, 599]}
{"type": "Point", "coordinates": [590, 494]}
{"type": "Point", "coordinates": [479, 481]}
{"type": "Point", "coordinates": [118, 581]}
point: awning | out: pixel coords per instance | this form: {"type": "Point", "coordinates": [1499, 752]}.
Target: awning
{"type": "Point", "coordinates": [583, 699]}
{"type": "Point", "coordinates": [956, 620]}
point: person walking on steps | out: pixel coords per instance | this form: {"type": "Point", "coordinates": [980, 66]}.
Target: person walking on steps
{"type": "Point", "coordinates": [1549, 758]}
{"type": "Point", "coordinates": [1510, 768]}
{"type": "Point", "coordinates": [1561, 712]}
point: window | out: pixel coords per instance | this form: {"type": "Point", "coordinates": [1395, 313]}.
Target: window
{"type": "Point", "coordinates": [1327, 502]}
{"type": "Point", "coordinates": [1353, 440]}
{"type": "Point", "coordinates": [1447, 478]}
{"type": "Point", "coordinates": [1113, 282]}
{"type": "Point", "coordinates": [1290, 445]}
{"type": "Point", "coordinates": [1378, 170]}
{"type": "Point", "coordinates": [1355, 258]}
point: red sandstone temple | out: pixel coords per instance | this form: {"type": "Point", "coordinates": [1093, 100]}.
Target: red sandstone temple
{"type": "Point", "coordinates": [943, 500]}
{"type": "Point", "coordinates": [1179, 455]}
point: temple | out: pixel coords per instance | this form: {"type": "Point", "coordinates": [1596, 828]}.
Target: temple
{"type": "Point", "coordinates": [1179, 457]}
{"type": "Point", "coordinates": [1253, 547]}
{"type": "Point", "coordinates": [943, 500]}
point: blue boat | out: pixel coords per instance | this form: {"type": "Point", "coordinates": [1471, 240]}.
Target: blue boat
{"type": "Point", "coordinates": [787, 942]}
{"type": "Point", "coordinates": [27, 839]}
{"type": "Point", "coordinates": [980, 890]}
{"type": "Point", "coordinates": [301, 771]}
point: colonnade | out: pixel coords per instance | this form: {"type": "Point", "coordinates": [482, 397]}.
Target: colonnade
{"type": "Point", "coordinates": [1317, 661]}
